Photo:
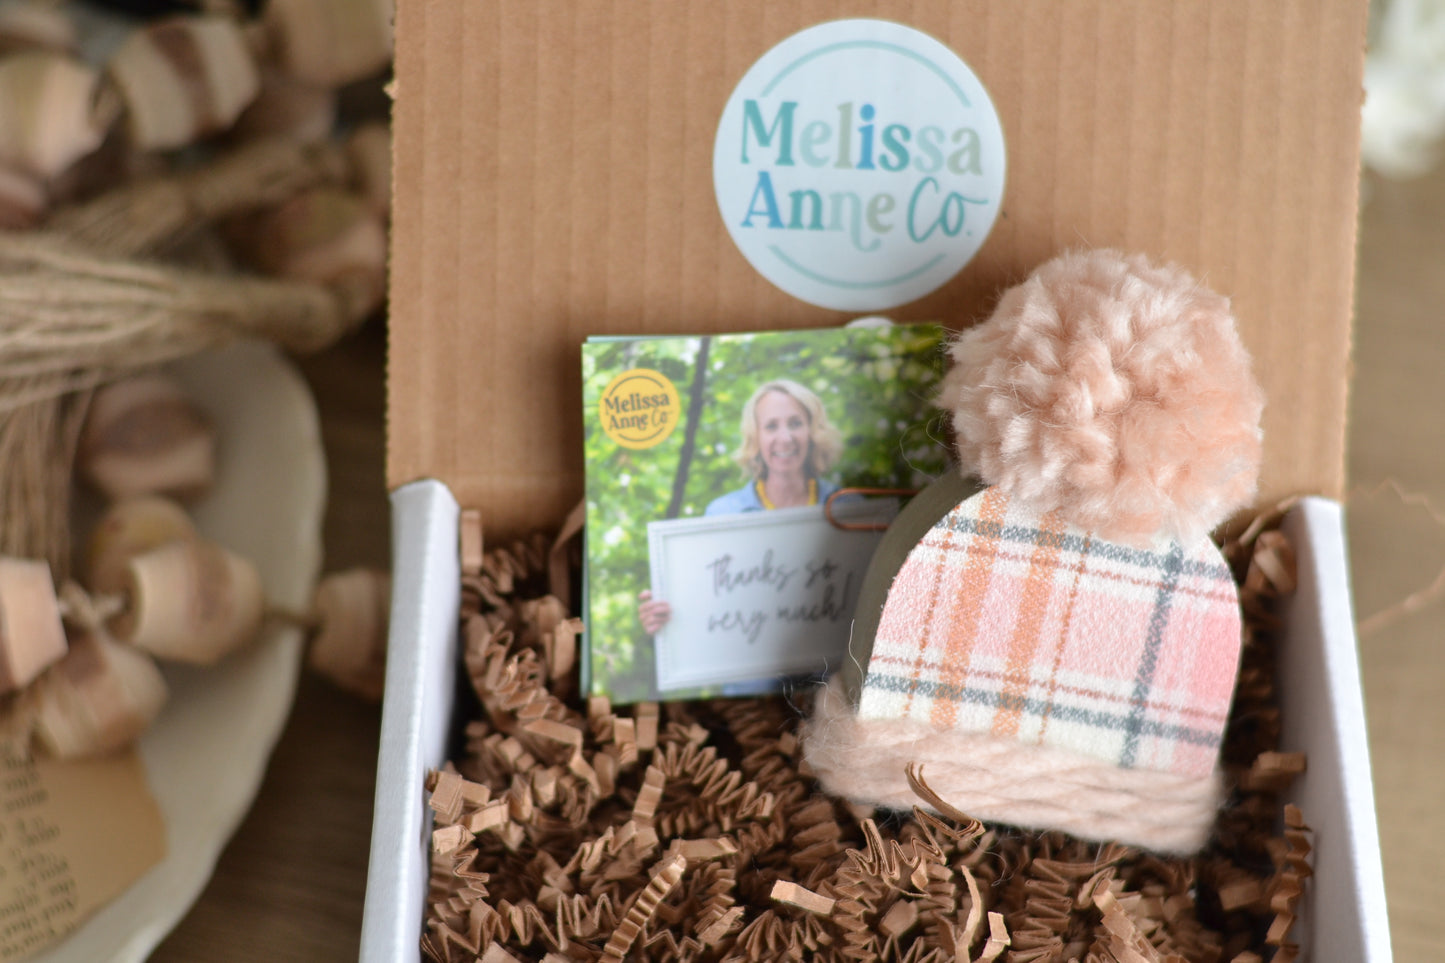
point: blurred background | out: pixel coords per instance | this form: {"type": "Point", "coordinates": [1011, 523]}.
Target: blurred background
{"type": "Point", "coordinates": [1397, 541]}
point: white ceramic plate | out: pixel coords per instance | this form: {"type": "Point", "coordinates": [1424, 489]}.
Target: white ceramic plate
{"type": "Point", "coordinates": [206, 754]}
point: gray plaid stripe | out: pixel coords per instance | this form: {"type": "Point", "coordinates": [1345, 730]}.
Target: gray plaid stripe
{"type": "Point", "coordinates": [1149, 661]}
{"type": "Point", "coordinates": [1140, 558]}
{"type": "Point", "coordinates": [1093, 717]}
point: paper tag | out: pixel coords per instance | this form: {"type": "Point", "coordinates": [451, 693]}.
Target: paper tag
{"type": "Point", "coordinates": [73, 836]}
{"type": "Point", "coordinates": [859, 165]}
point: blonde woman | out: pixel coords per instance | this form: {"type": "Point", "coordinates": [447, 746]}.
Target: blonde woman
{"type": "Point", "coordinates": [787, 445]}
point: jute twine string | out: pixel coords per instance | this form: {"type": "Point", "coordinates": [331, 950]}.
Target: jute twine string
{"type": "Point", "coordinates": [70, 319]}
{"type": "Point", "coordinates": [145, 217]}
{"type": "Point", "coordinates": [37, 448]}
{"type": "Point", "coordinates": [78, 310]}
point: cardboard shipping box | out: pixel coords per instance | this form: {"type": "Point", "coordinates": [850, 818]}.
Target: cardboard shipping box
{"type": "Point", "coordinates": [556, 172]}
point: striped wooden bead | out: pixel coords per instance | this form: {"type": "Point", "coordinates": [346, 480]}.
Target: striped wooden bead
{"type": "Point", "coordinates": [99, 698]}
{"type": "Point", "coordinates": [31, 634]}
{"type": "Point", "coordinates": [184, 78]}
{"type": "Point", "coordinates": [52, 112]}
{"type": "Point", "coordinates": [190, 601]}
{"type": "Point", "coordinates": [145, 435]}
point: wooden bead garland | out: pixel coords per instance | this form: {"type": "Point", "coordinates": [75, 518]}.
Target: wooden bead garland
{"type": "Point", "coordinates": [187, 600]}
{"type": "Point", "coordinates": [88, 142]}
{"type": "Point", "coordinates": [31, 634]}
{"type": "Point", "coordinates": [160, 590]}
{"type": "Point", "coordinates": [184, 78]}
{"type": "Point", "coordinates": [191, 601]}
{"type": "Point", "coordinates": [100, 697]}
{"type": "Point", "coordinates": [127, 206]}
{"type": "Point", "coordinates": [145, 435]}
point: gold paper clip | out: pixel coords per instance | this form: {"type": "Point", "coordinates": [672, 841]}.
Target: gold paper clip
{"type": "Point", "coordinates": [862, 526]}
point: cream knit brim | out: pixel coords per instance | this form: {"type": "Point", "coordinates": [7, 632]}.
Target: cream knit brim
{"type": "Point", "coordinates": [1002, 780]}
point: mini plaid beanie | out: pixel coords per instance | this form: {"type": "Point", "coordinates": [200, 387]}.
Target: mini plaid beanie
{"type": "Point", "coordinates": [1059, 650]}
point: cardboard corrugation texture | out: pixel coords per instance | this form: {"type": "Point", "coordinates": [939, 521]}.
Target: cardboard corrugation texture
{"type": "Point", "coordinates": [554, 180]}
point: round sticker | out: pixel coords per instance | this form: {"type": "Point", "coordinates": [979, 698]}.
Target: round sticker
{"type": "Point", "coordinates": [639, 408]}
{"type": "Point", "coordinates": [859, 164]}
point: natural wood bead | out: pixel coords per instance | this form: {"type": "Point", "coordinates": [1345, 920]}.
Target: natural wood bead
{"type": "Point", "coordinates": [184, 78]}
{"type": "Point", "coordinates": [31, 634]}
{"type": "Point", "coordinates": [350, 646]}
{"type": "Point", "coordinates": [369, 151]}
{"type": "Point", "coordinates": [100, 697]}
{"type": "Point", "coordinates": [331, 43]}
{"type": "Point", "coordinates": [324, 235]}
{"type": "Point", "coordinates": [51, 112]}
{"type": "Point", "coordinates": [36, 25]}
{"type": "Point", "coordinates": [289, 108]}
{"type": "Point", "coordinates": [191, 601]}
{"type": "Point", "coordinates": [128, 529]}
{"type": "Point", "coordinates": [145, 435]}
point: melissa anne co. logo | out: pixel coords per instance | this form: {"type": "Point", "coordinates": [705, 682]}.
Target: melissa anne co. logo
{"type": "Point", "coordinates": [639, 408]}
{"type": "Point", "coordinates": [859, 165]}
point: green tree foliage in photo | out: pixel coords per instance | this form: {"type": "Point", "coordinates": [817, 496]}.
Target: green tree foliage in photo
{"type": "Point", "coordinates": [876, 384]}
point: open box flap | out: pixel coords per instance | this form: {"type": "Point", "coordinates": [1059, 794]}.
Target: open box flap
{"type": "Point", "coordinates": [553, 169]}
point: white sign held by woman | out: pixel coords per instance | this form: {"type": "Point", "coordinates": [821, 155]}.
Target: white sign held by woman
{"type": "Point", "coordinates": [759, 595]}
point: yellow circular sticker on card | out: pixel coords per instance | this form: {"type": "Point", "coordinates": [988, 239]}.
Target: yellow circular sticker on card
{"type": "Point", "coordinates": [639, 408]}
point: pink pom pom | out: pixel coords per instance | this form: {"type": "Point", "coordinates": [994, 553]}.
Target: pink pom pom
{"type": "Point", "coordinates": [1113, 391]}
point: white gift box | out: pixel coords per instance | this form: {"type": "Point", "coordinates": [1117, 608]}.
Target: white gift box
{"type": "Point", "coordinates": [1343, 918]}
{"type": "Point", "coordinates": [555, 179]}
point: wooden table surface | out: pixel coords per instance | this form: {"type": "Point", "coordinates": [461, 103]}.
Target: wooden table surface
{"type": "Point", "coordinates": [290, 885]}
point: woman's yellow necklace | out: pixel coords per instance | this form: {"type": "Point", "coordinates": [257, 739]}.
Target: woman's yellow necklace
{"type": "Point", "coordinates": [769, 506]}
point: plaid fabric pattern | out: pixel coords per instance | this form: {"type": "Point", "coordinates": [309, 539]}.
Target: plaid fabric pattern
{"type": "Point", "coordinates": [1006, 623]}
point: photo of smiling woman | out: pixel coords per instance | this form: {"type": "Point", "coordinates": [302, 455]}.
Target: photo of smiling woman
{"type": "Point", "coordinates": [787, 445]}
{"type": "Point", "coordinates": [760, 421]}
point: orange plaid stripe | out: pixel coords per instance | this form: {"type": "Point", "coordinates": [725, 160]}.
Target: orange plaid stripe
{"type": "Point", "coordinates": [1026, 639]}
{"type": "Point", "coordinates": [961, 621]}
